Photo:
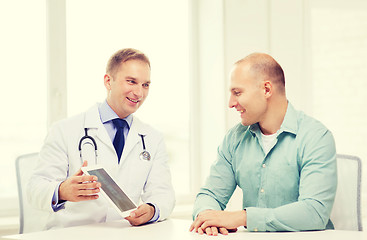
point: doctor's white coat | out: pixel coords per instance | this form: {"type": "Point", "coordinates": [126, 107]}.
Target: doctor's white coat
{"type": "Point", "coordinates": [149, 181]}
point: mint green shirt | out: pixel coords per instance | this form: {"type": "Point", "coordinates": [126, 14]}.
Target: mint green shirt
{"type": "Point", "coordinates": [292, 188]}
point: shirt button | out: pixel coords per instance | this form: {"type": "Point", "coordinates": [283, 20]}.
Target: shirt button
{"type": "Point", "coordinates": [262, 190]}
{"type": "Point", "coordinates": [264, 165]}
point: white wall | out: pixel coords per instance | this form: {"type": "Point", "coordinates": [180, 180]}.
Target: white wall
{"type": "Point", "coordinates": [210, 75]}
{"type": "Point", "coordinates": [274, 27]}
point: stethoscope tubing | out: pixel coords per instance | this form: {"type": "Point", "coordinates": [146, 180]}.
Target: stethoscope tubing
{"type": "Point", "coordinates": [142, 140]}
{"type": "Point", "coordinates": [86, 136]}
{"type": "Point", "coordinates": [144, 155]}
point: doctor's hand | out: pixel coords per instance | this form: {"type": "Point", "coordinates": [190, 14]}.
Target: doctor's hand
{"type": "Point", "coordinates": [212, 222]}
{"type": "Point", "coordinates": [79, 188]}
{"type": "Point", "coordinates": [141, 215]}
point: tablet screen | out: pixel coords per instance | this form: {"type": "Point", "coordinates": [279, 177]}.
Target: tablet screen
{"type": "Point", "coordinates": [112, 190]}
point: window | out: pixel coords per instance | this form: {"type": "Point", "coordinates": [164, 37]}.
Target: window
{"type": "Point", "coordinates": [162, 34]}
{"type": "Point", "coordinates": [23, 88]}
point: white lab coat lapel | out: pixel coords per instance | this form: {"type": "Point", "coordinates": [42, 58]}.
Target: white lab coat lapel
{"type": "Point", "coordinates": [97, 130]}
{"type": "Point", "coordinates": [137, 128]}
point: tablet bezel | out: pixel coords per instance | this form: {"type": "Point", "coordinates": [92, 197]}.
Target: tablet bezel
{"type": "Point", "coordinates": [121, 213]}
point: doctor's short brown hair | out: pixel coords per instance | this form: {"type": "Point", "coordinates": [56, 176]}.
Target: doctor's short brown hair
{"type": "Point", "coordinates": [125, 55]}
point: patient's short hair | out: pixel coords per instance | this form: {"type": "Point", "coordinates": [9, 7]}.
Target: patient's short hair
{"type": "Point", "coordinates": [266, 66]}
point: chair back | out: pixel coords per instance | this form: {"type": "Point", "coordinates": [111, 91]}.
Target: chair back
{"type": "Point", "coordinates": [30, 219]}
{"type": "Point", "coordinates": [346, 212]}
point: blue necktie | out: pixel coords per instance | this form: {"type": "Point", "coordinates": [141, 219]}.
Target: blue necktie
{"type": "Point", "coordinates": [119, 140]}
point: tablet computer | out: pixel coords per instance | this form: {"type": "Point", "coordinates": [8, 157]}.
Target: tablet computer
{"type": "Point", "coordinates": [112, 192]}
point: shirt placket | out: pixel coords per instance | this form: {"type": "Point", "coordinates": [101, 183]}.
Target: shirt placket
{"type": "Point", "coordinates": [261, 202]}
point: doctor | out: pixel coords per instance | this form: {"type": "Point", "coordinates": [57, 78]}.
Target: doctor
{"type": "Point", "coordinates": [58, 185]}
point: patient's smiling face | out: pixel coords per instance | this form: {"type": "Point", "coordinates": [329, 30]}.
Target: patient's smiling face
{"type": "Point", "coordinates": [128, 87]}
{"type": "Point", "coordinates": [247, 94]}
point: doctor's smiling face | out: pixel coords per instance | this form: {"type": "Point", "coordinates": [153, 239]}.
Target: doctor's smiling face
{"type": "Point", "coordinates": [127, 86]}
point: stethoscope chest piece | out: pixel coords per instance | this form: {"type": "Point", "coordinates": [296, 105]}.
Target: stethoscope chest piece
{"type": "Point", "coordinates": [144, 155]}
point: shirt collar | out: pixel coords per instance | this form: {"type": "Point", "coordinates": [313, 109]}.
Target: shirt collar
{"type": "Point", "coordinates": [107, 114]}
{"type": "Point", "coordinates": [290, 122]}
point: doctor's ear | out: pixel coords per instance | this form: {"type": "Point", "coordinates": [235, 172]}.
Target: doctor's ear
{"type": "Point", "coordinates": [107, 81]}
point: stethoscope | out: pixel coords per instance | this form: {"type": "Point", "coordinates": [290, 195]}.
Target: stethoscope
{"type": "Point", "coordinates": [93, 143]}
{"type": "Point", "coordinates": [144, 155]}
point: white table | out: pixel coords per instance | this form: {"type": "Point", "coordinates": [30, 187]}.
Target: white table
{"type": "Point", "coordinates": [175, 229]}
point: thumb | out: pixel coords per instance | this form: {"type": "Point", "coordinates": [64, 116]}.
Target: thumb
{"type": "Point", "coordinates": [138, 212]}
{"type": "Point", "coordinates": [80, 172]}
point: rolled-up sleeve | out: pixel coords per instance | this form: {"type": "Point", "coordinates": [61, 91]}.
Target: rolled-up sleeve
{"type": "Point", "coordinates": [220, 184]}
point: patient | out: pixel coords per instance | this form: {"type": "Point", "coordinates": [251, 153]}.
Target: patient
{"type": "Point", "coordinates": [283, 160]}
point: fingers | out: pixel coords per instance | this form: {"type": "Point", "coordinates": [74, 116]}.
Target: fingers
{"type": "Point", "coordinates": [207, 224]}
{"type": "Point", "coordinates": [191, 227]}
{"type": "Point", "coordinates": [138, 212]}
{"type": "Point", "coordinates": [86, 178]}
{"type": "Point", "coordinates": [79, 188]}
{"type": "Point", "coordinates": [86, 198]}
{"type": "Point", "coordinates": [202, 227]}
{"type": "Point", "coordinates": [211, 231]}
{"type": "Point", "coordinates": [223, 231]}
{"type": "Point", "coordinates": [87, 187]}
{"type": "Point", "coordinates": [84, 189]}
{"type": "Point", "coordinates": [201, 221]}
{"type": "Point", "coordinates": [83, 179]}
{"type": "Point", "coordinates": [86, 192]}
{"type": "Point", "coordinates": [214, 231]}
{"type": "Point", "coordinates": [196, 225]}
{"type": "Point", "coordinates": [141, 215]}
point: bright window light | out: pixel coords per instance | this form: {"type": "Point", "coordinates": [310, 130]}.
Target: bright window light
{"type": "Point", "coordinates": [23, 86]}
